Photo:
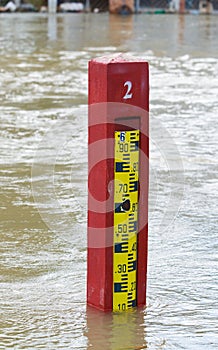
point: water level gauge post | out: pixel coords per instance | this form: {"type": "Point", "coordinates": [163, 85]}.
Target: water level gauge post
{"type": "Point", "coordinates": [118, 167]}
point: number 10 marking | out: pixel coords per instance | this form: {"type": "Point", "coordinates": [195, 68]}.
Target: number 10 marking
{"type": "Point", "coordinates": [128, 93]}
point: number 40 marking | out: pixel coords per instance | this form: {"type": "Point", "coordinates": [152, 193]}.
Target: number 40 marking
{"type": "Point", "coordinates": [128, 93]}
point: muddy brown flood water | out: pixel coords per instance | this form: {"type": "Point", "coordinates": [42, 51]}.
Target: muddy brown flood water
{"type": "Point", "coordinates": [43, 179]}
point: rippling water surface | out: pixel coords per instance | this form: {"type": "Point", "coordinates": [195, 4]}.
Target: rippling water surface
{"type": "Point", "coordinates": [43, 181]}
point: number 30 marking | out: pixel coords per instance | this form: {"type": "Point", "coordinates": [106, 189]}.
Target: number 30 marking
{"type": "Point", "coordinates": [128, 93]}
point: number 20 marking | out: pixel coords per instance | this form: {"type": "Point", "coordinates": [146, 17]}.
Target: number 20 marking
{"type": "Point", "coordinates": [128, 93]}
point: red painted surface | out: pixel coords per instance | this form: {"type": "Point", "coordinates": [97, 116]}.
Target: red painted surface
{"type": "Point", "coordinates": [182, 6]}
{"type": "Point", "coordinates": [110, 111]}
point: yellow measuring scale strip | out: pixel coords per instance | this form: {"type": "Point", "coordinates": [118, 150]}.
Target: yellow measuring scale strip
{"type": "Point", "coordinates": [126, 175]}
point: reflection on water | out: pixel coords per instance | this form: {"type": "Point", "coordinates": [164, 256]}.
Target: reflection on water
{"type": "Point", "coordinates": [43, 178]}
{"type": "Point", "coordinates": [115, 331]}
{"type": "Point", "coordinates": [52, 27]}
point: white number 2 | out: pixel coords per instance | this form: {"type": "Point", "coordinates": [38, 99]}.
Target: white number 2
{"type": "Point", "coordinates": [128, 93]}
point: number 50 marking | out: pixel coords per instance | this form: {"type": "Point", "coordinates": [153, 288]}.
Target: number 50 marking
{"type": "Point", "coordinates": [128, 93]}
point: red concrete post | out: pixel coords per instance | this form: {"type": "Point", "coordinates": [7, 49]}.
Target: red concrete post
{"type": "Point", "coordinates": [182, 6]}
{"type": "Point", "coordinates": [118, 102]}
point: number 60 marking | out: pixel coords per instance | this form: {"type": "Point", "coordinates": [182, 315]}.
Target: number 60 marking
{"type": "Point", "coordinates": [128, 93]}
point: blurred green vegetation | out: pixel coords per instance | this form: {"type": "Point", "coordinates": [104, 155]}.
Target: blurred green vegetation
{"type": "Point", "coordinates": [37, 3]}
